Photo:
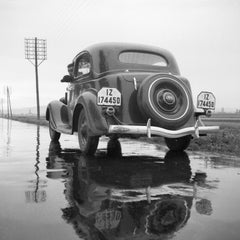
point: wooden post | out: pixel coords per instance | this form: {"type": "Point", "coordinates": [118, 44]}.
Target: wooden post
{"type": "Point", "coordinates": [36, 72]}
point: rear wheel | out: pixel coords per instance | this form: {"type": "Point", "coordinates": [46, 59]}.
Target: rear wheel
{"type": "Point", "coordinates": [178, 144]}
{"type": "Point", "coordinates": [88, 144]}
{"type": "Point", "coordinates": [53, 134]}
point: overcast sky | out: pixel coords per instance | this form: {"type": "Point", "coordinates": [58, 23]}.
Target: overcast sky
{"type": "Point", "coordinates": [203, 35]}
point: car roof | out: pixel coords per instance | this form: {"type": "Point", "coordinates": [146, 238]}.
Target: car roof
{"type": "Point", "coordinates": [105, 57]}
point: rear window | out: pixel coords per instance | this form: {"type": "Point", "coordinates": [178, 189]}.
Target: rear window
{"type": "Point", "coordinates": [142, 58]}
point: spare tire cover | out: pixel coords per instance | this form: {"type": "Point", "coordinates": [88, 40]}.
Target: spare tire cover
{"type": "Point", "coordinates": [165, 99]}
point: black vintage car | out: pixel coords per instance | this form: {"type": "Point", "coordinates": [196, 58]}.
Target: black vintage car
{"type": "Point", "coordinates": [128, 90]}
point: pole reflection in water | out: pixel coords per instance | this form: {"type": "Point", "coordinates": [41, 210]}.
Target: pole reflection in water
{"type": "Point", "coordinates": [5, 138]}
{"type": "Point", "coordinates": [9, 128]}
{"type": "Point", "coordinates": [36, 165]}
{"type": "Point", "coordinates": [127, 196]}
{"type": "Point", "coordinates": [37, 195]}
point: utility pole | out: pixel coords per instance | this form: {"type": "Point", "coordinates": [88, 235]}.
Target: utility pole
{"type": "Point", "coordinates": [2, 106]}
{"type": "Point", "coordinates": [36, 53]}
{"type": "Point", "coordinates": [9, 108]}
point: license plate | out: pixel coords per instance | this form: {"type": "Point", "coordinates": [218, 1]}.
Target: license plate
{"type": "Point", "coordinates": [206, 100]}
{"type": "Point", "coordinates": [107, 219]}
{"type": "Point", "coordinates": [109, 97]}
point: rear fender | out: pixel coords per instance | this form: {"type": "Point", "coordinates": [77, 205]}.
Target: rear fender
{"type": "Point", "coordinates": [97, 122]}
{"type": "Point", "coordinates": [57, 113]}
{"type": "Point", "coordinates": [186, 82]}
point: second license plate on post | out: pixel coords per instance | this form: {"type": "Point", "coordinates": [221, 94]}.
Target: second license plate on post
{"type": "Point", "coordinates": [206, 100]}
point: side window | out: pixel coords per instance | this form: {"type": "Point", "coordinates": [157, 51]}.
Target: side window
{"type": "Point", "coordinates": [83, 65]}
{"type": "Point", "coordinates": [70, 69]}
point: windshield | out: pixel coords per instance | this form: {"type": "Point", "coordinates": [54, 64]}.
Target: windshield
{"type": "Point", "coordinates": [142, 58]}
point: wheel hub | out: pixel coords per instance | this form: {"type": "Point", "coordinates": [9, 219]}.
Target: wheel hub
{"type": "Point", "coordinates": [166, 100]}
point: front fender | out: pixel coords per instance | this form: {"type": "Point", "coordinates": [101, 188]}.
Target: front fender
{"type": "Point", "coordinates": [97, 122]}
{"type": "Point", "coordinates": [57, 114]}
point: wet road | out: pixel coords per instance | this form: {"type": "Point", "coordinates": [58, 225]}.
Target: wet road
{"type": "Point", "coordinates": [50, 191]}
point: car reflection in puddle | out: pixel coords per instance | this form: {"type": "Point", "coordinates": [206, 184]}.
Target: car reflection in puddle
{"type": "Point", "coordinates": [137, 197]}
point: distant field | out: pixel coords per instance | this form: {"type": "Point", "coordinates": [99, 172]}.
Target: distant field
{"type": "Point", "coordinates": [226, 115]}
{"type": "Point", "coordinates": [223, 119]}
{"type": "Point", "coordinates": [222, 122]}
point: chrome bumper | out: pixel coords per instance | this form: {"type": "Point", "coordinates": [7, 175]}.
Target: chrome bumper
{"type": "Point", "coordinates": [157, 131]}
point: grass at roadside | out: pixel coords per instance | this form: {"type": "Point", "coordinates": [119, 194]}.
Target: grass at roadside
{"type": "Point", "coordinates": [226, 141]}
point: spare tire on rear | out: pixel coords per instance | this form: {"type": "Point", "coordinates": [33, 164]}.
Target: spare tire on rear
{"type": "Point", "coordinates": [165, 99]}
